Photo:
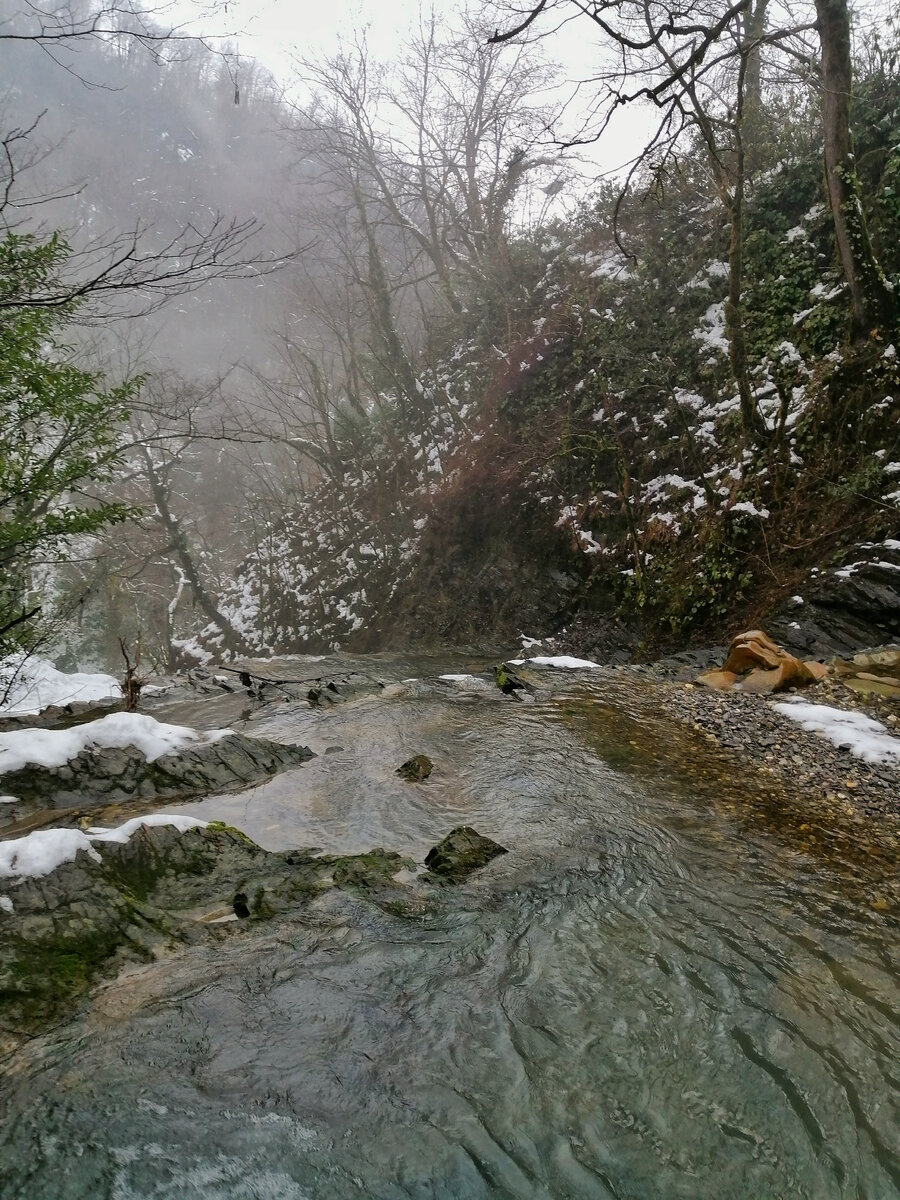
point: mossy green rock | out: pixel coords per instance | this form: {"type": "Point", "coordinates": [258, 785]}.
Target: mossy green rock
{"type": "Point", "coordinates": [509, 682]}
{"type": "Point", "coordinates": [460, 853]}
{"type": "Point", "coordinates": [373, 874]}
{"type": "Point", "coordinates": [139, 898]}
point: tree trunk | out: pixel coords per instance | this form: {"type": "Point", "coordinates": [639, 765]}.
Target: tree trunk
{"type": "Point", "coordinates": [393, 358]}
{"type": "Point", "coordinates": [752, 425]}
{"type": "Point", "coordinates": [232, 640]}
{"type": "Point", "coordinates": [730, 174]}
{"type": "Point", "coordinates": [754, 118]}
{"type": "Point", "coordinates": [873, 303]}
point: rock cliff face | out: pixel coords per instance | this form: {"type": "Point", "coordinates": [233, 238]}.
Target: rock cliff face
{"type": "Point", "coordinates": [846, 607]}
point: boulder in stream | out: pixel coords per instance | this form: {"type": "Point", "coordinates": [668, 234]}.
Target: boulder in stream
{"type": "Point", "coordinates": [415, 769]}
{"type": "Point", "coordinates": [510, 683]}
{"type": "Point", "coordinates": [460, 853]}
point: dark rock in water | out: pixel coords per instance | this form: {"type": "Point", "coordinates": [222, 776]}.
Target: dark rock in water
{"type": "Point", "coordinates": [132, 901]}
{"type": "Point", "coordinates": [322, 693]}
{"type": "Point", "coordinates": [460, 853]}
{"type": "Point", "coordinates": [373, 870]}
{"type": "Point", "coordinates": [102, 776]}
{"type": "Point", "coordinates": [509, 682]}
{"type": "Point", "coordinates": [415, 769]}
{"type": "Point", "coordinates": [263, 687]}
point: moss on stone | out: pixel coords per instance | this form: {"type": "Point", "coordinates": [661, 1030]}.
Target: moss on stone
{"type": "Point", "coordinates": [374, 869]}
{"type": "Point", "coordinates": [44, 978]}
{"type": "Point", "coordinates": [416, 769]}
{"type": "Point", "coordinates": [460, 853]}
{"type": "Point", "coordinates": [87, 918]}
{"type": "Point", "coordinates": [231, 830]}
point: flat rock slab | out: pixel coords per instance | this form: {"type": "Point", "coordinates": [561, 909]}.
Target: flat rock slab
{"type": "Point", "coordinates": [61, 716]}
{"type": "Point", "coordinates": [101, 776]}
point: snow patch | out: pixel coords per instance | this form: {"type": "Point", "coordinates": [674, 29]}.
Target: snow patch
{"type": "Point", "coordinates": [866, 738]}
{"type": "Point", "coordinates": [562, 661]}
{"type": "Point", "coordinates": [745, 506]}
{"type": "Point", "coordinates": [711, 331]}
{"type": "Point", "coordinates": [28, 685]}
{"type": "Point", "coordinates": [55, 747]}
{"type": "Point", "coordinates": [41, 852]}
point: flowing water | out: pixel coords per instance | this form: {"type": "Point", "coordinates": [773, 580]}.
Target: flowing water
{"type": "Point", "coordinates": [674, 985]}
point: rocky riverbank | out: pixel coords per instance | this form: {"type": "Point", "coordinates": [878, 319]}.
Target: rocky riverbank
{"type": "Point", "coordinates": [757, 734]}
{"type": "Point", "coordinates": [751, 729]}
{"type": "Point", "coordinates": [78, 906]}
{"type": "Point", "coordinates": [128, 895]}
{"type": "Point", "coordinates": [755, 729]}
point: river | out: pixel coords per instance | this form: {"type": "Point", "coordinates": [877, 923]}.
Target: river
{"type": "Point", "coordinates": [674, 985]}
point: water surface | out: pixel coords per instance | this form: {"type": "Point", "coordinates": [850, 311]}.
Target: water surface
{"type": "Point", "coordinates": [674, 985]}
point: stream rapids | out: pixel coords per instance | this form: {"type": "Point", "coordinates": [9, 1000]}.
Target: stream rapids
{"type": "Point", "coordinates": [674, 985]}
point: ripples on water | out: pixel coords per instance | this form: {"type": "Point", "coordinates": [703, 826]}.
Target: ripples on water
{"type": "Point", "coordinates": [661, 992]}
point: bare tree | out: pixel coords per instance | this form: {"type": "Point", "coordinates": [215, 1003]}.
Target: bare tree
{"type": "Point", "coordinates": [124, 272]}
{"type": "Point", "coordinates": [442, 145]}
{"type": "Point", "coordinates": [57, 27]}
{"type": "Point", "coordinates": [186, 483]}
{"type": "Point", "coordinates": [419, 172]}
{"type": "Point", "coordinates": [661, 56]}
{"type": "Point", "coordinates": [176, 435]}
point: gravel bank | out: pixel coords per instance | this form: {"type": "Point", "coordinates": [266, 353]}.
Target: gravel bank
{"type": "Point", "coordinates": [752, 729]}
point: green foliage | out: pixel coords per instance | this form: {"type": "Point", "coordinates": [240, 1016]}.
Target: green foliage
{"type": "Point", "coordinates": [690, 596]}
{"type": "Point", "coordinates": [59, 435]}
{"type": "Point", "coordinates": [863, 479]}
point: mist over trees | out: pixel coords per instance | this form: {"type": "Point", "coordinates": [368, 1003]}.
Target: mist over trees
{"type": "Point", "coordinates": [115, 143]}
{"type": "Point", "coordinates": [374, 351]}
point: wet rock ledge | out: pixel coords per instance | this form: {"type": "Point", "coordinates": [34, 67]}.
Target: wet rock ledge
{"type": "Point", "coordinates": [107, 775]}
{"type": "Point", "coordinates": [76, 907]}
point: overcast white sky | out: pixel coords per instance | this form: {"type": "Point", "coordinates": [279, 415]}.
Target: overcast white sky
{"type": "Point", "coordinates": [279, 32]}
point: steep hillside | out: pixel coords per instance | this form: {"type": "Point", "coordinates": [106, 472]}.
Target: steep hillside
{"type": "Point", "coordinates": [583, 465]}
{"type": "Point", "coordinates": [110, 141]}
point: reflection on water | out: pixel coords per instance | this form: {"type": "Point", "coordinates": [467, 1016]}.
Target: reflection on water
{"type": "Point", "coordinates": [673, 986]}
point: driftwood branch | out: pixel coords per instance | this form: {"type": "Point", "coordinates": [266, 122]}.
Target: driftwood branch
{"type": "Point", "coordinates": [132, 683]}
